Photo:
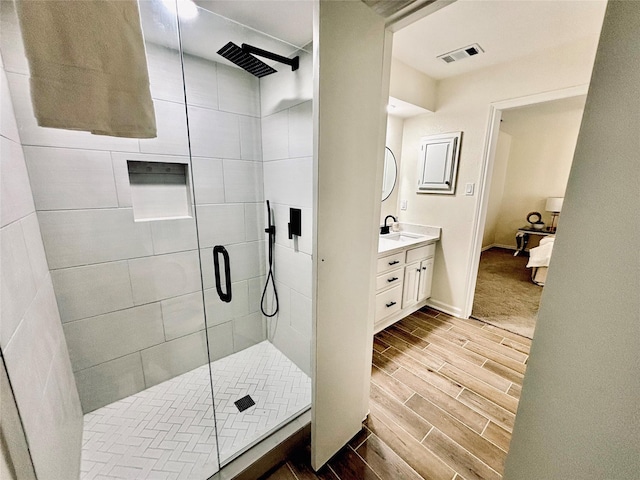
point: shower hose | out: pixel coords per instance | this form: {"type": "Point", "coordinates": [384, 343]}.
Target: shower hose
{"type": "Point", "coordinates": [271, 230]}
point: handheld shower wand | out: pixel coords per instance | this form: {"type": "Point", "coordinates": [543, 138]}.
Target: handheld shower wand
{"type": "Point", "coordinates": [271, 231]}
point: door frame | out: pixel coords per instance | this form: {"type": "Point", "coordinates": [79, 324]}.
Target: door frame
{"type": "Point", "coordinates": [486, 173]}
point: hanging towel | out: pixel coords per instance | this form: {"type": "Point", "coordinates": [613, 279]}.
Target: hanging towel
{"type": "Point", "coordinates": [88, 66]}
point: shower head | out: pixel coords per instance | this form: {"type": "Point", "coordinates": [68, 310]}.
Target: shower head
{"type": "Point", "coordinates": [251, 64]}
{"type": "Point", "coordinates": [244, 58]}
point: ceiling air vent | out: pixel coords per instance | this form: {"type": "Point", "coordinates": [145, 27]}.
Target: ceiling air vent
{"type": "Point", "coordinates": [459, 54]}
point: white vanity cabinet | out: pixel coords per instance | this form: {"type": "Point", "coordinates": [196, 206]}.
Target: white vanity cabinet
{"type": "Point", "coordinates": [403, 282]}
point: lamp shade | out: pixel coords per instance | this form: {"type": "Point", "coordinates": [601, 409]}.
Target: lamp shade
{"type": "Point", "coordinates": [554, 204]}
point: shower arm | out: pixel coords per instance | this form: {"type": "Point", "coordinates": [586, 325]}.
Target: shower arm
{"type": "Point", "coordinates": [294, 62]}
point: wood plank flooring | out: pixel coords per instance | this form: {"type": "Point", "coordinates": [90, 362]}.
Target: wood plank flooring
{"type": "Point", "coordinates": [444, 394]}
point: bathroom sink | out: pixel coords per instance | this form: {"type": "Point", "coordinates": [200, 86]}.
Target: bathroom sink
{"type": "Point", "coordinates": [402, 237]}
{"type": "Point", "coordinates": [392, 241]}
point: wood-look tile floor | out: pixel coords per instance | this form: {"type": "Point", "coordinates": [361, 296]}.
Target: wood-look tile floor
{"type": "Point", "coordinates": [444, 393]}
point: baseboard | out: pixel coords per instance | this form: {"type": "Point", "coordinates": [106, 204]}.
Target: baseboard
{"type": "Point", "coordinates": [444, 307]}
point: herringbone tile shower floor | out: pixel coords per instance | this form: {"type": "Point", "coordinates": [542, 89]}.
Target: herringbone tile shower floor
{"type": "Point", "coordinates": [167, 431]}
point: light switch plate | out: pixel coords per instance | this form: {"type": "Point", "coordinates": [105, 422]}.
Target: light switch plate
{"type": "Point", "coordinates": [403, 204]}
{"type": "Point", "coordinates": [468, 188]}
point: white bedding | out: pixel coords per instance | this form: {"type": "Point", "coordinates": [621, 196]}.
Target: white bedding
{"type": "Point", "coordinates": [540, 255]}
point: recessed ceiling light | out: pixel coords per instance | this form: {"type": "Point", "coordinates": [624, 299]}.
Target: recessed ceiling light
{"type": "Point", "coordinates": [187, 10]}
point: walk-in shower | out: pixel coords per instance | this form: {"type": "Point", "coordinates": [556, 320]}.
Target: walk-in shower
{"type": "Point", "coordinates": [154, 261]}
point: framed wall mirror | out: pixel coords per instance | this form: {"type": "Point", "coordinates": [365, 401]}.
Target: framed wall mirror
{"type": "Point", "coordinates": [390, 174]}
{"type": "Point", "coordinates": [438, 163]}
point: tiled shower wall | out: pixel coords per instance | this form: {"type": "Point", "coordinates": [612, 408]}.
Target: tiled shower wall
{"type": "Point", "coordinates": [287, 143]}
{"type": "Point", "coordinates": [31, 339]}
{"type": "Point", "coordinates": [129, 292]}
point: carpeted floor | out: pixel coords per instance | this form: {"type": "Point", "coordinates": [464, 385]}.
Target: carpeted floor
{"type": "Point", "coordinates": [505, 295]}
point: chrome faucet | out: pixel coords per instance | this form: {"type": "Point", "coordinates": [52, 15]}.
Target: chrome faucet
{"type": "Point", "coordinates": [385, 229]}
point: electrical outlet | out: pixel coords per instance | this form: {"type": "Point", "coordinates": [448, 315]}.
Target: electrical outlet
{"type": "Point", "coordinates": [403, 204]}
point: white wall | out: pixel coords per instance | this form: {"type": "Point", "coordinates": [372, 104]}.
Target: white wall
{"type": "Point", "coordinates": [463, 104]}
{"type": "Point", "coordinates": [31, 340]}
{"type": "Point", "coordinates": [349, 126]}
{"type": "Point", "coordinates": [496, 190]}
{"type": "Point", "coordinates": [287, 139]}
{"type": "Point", "coordinates": [578, 413]}
{"type": "Point", "coordinates": [411, 86]}
{"type": "Point", "coordinates": [543, 139]}
{"type": "Point", "coordinates": [394, 142]}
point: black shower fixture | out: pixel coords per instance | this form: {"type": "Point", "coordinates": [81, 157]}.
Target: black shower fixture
{"type": "Point", "coordinates": [244, 58]}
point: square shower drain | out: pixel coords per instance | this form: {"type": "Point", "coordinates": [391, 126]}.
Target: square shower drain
{"type": "Point", "coordinates": [244, 403]}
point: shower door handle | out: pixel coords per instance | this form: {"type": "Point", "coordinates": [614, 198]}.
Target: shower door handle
{"type": "Point", "coordinates": [217, 250]}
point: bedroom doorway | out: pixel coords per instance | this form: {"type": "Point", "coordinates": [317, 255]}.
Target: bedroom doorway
{"type": "Point", "coordinates": [531, 159]}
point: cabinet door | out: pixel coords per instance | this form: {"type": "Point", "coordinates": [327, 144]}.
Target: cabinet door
{"type": "Point", "coordinates": [411, 284]}
{"type": "Point", "coordinates": [426, 274]}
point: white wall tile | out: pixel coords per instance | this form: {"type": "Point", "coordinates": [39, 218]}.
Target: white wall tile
{"type": "Point", "coordinates": [56, 444]}
{"type": "Point", "coordinates": [18, 285]}
{"type": "Point", "coordinates": [32, 134]}
{"type": "Point", "coordinates": [214, 134]}
{"type": "Point", "coordinates": [238, 91]}
{"type": "Point", "coordinates": [208, 180]}
{"type": "Point", "coordinates": [182, 315]}
{"type": "Point", "coordinates": [293, 269]}
{"type": "Point", "coordinates": [64, 178]}
{"type": "Point", "coordinates": [81, 237]}
{"type": "Point", "coordinates": [165, 73]}
{"type": "Point", "coordinates": [221, 224]}
{"type": "Point", "coordinates": [289, 181]}
{"type": "Point", "coordinates": [300, 313]}
{"type": "Point", "coordinates": [301, 131]}
{"type": "Point", "coordinates": [248, 331]}
{"type": "Point", "coordinates": [275, 136]}
{"type": "Point", "coordinates": [295, 346]}
{"type": "Point", "coordinates": [164, 276]}
{"type": "Point", "coordinates": [13, 55]}
{"type": "Point", "coordinates": [283, 318]}
{"type": "Point", "coordinates": [16, 200]}
{"type": "Point", "coordinates": [178, 356]}
{"type": "Point", "coordinates": [8, 125]}
{"type": "Point", "coordinates": [220, 312]}
{"type": "Point", "coordinates": [250, 138]}
{"type": "Point", "coordinates": [201, 82]}
{"type": "Point", "coordinates": [220, 341]}
{"type": "Point", "coordinates": [30, 353]}
{"type": "Point", "coordinates": [254, 220]}
{"type": "Point", "coordinates": [243, 181]}
{"type": "Point", "coordinates": [121, 171]}
{"type": "Point", "coordinates": [171, 124]}
{"type": "Point", "coordinates": [256, 286]}
{"type": "Point", "coordinates": [95, 340]}
{"type": "Point", "coordinates": [175, 235]}
{"type": "Point", "coordinates": [92, 289]}
{"type": "Point", "coordinates": [286, 89]}
{"type": "Point", "coordinates": [35, 248]}
{"type": "Point", "coordinates": [110, 381]}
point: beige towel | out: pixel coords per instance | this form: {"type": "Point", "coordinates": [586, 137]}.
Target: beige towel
{"type": "Point", "coordinates": [88, 66]}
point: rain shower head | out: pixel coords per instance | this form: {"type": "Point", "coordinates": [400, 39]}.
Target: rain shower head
{"type": "Point", "coordinates": [244, 58]}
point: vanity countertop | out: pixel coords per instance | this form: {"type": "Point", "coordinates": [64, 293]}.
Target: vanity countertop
{"type": "Point", "coordinates": [409, 235]}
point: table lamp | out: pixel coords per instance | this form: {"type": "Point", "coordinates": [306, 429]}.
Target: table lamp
{"type": "Point", "coordinates": [554, 205]}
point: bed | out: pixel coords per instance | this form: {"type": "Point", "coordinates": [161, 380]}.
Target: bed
{"type": "Point", "coordinates": [539, 258]}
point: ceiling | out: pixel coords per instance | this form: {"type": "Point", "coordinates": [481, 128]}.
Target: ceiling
{"type": "Point", "coordinates": [505, 29]}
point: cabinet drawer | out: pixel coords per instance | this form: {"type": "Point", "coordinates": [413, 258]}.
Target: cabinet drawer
{"type": "Point", "coordinates": [392, 278]}
{"type": "Point", "coordinates": [391, 262]}
{"type": "Point", "coordinates": [388, 302]}
{"type": "Point", "coordinates": [420, 253]}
